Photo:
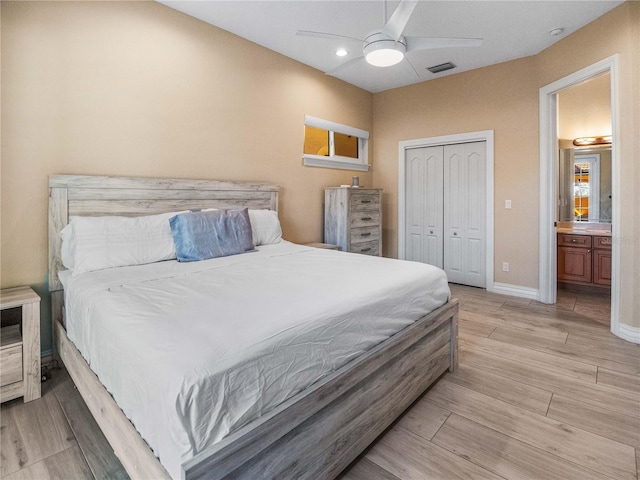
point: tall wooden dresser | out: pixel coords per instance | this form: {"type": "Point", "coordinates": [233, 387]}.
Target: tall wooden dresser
{"type": "Point", "coordinates": [353, 219]}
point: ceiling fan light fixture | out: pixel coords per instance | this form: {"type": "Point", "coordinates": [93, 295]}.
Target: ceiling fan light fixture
{"type": "Point", "coordinates": [384, 53]}
{"type": "Point", "coordinates": [341, 52]}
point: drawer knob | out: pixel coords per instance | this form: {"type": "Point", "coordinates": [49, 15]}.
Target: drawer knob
{"type": "Point", "coordinates": [365, 201]}
{"type": "Point", "coordinates": [365, 234]}
{"type": "Point", "coordinates": [573, 240]}
{"type": "Point", "coordinates": [430, 232]}
{"type": "Point", "coordinates": [365, 219]}
{"type": "Point", "coordinates": [366, 249]}
{"type": "Point", "coordinates": [455, 233]}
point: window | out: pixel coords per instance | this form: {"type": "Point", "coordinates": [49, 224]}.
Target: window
{"type": "Point", "coordinates": [333, 145]}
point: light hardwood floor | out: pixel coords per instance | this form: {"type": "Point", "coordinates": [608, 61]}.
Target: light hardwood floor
{"type": "Point", "coordinates": [542, 392]}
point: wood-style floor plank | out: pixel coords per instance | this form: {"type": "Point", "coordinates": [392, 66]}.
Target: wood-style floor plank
{"type": "Point", "coordinates": [504, 320]}
{"type": "Point", "coordinates": [602, 357]}
{"type": "Point", "coordinates": [505, 455]}
{"type": "Point", "coordinates": [605, 342]}
{"type": "Point", "coordinates": [565, 366]}
{"type": "Point", "coordinates": [596, 420]}
{"type": "Point", "coordinates": [621, 401]}
{"type": "Point", "coordinates": [424, 418]}
{"type": "Point", "coordinates": [96, 449]}
{"type": "Point", "coordinates": [66, 465]}
{"type": "Point", "coordinates": [411, 457]}
{"type": "Point", "coordinates": [584, 448]}
{"type": "Point", "coordinates": [623, 381]}
{"type": "Point", "coordinates": [516, 393]}
{"type": "Point", "coordinates": [32, 432]}
{"type": "Point", "coordinates": [365, 469]}
{"type": "Point", "coordinates": [475, 328]}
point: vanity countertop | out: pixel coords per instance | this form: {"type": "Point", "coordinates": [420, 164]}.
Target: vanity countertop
{"type": "Point", "coordinates": [584, 231]}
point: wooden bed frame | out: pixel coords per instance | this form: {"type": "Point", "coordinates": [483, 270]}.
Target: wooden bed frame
{"type": "Point", "coordinates": [316, 433]}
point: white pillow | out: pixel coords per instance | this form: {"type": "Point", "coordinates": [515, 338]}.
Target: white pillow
{"type": "Point", "coordinates": [96, 243]}
{"type": "Point", "coordinates": [68, 245]}
{"type": "Point", "coordinates": [265, 227]}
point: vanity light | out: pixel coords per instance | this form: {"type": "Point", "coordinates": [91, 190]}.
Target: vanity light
{"type": "Point", "coordinates": [586, 141]}
{"type": "Point", "coordinates": [341, 52]}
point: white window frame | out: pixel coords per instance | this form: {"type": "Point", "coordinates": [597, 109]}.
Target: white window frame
{"type": "Point", "coordinates": [337, 161]}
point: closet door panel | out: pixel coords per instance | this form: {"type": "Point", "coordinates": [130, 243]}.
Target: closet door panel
{"type": "Point", "coordinates": [475, 233]}
{"type": "Point", "coordinates": [455, 204]}
{"type": "Point", "coordinates": [424, 205]}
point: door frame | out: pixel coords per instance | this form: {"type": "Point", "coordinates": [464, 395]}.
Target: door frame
{"type": "Point", "coordinates": [549, 187]}
{"type": "Point", "coordinates": [480, 136]}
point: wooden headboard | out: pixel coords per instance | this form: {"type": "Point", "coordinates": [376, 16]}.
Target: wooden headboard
{"type": "Point", "coordinates": [80, 195]}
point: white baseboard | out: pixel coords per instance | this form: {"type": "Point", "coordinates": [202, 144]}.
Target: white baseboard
{"type": "Point", "coordinates": [629, 333]}
{"type": "Point", "coordinates": [516, 291]}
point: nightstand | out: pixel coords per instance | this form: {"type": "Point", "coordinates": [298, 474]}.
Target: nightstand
{"type": "Point", "coordinates": [20, 346]}
{"type": "Point", "coordinates": [326, 246]}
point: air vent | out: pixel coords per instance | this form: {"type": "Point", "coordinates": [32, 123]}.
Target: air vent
{"type": "Point", "coordinates": [441, 68]}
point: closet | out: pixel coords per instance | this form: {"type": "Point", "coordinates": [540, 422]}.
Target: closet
{"type": "Point", "coordinates": [445, 189]}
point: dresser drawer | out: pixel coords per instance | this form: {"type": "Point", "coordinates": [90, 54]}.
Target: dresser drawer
{"type": "Point", "coordinates": [569, 240]}
{"type": "Point", "coordinates": [10, 364]}
{"type": "Point", "coordinates": [602, 242]}
{"type": "Point", "coordinates": [365, 201]}
{"type": "Point", "coordinates": [365, 234]}
{"type": "Point", "coordinates": [367, 248]}
{"type": "Point", "coordinates": [364, 219]}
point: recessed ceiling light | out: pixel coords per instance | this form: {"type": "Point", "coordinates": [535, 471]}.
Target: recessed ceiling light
{"type": "Point", "coordinates": [556, 31]}
{"type": "Point", "coordinates": [342, 52]}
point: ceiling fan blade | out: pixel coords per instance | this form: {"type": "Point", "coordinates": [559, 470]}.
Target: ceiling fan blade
{"type": "Point", "coordinates": [395, 25]}
{"type": "Point", "coordinates": [344, 65]}
{"type": "Point", "coordinates": [426, 43]}
{"type": "Point", "coordinates": [334, 36]}
{"type": "Point", "coordinates": [412, 67]}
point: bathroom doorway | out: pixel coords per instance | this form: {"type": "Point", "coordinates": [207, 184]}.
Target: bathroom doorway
{"type": "Point", "coordinates": [584, 184]}
{"type": "Point", "coordinates": [550, 99]}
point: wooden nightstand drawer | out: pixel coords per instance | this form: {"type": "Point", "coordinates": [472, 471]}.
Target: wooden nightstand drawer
{"type": "Point", "coordinates": [10, 364]}
{"type": "Point", "coordinates": [569, 240]}
{"type": "Point", "coordinates": [365, 234]}
{"type": "Point", "coordinates": [20, 346]}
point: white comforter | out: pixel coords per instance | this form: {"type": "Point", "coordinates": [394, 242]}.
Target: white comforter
{"type": "Point", "coordinates": [193, 351]}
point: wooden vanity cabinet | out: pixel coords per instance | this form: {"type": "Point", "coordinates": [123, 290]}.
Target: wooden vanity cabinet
{"type": "Point", "coordinates": [583, 259]}
{"type": "Point", "coordinates": [574, 258]}
{"type": "Point", "coordinates": [602, 260]}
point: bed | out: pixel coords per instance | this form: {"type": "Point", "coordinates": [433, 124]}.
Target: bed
{"type": "Point", "coordinates": [313, 431]}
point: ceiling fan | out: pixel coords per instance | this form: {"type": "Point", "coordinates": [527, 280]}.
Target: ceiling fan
{"type": "Point", "coordinates": [387, 46]}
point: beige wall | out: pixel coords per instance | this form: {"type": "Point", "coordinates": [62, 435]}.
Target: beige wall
{"type": "Point", "coordinates": [135, 88]}
{"type": "Point", "coordinates": [504, 98]}
{"type": "Point", "coordinates": [585, 110]}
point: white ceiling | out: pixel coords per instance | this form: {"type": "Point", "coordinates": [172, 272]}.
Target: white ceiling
{"type": "Point", "coordinates": [510, 29]}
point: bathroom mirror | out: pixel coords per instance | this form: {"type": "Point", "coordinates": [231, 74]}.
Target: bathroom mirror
{"type": "Point", "coordinates": [585, 184]}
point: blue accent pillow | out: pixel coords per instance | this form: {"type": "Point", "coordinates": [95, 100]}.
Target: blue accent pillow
{"type": "Point", "coordinates": [218, 233]}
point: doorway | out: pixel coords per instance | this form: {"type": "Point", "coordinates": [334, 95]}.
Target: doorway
{"type": "Point", "coordinates": [430, 246]}
{"type": "Point", "coordinates": [549, 185]}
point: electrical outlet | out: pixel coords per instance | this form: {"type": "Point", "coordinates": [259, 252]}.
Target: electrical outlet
{"type": "Point", "coordinates": [505, 266]}
{"type": "Point", "coordinates": [507, 204]}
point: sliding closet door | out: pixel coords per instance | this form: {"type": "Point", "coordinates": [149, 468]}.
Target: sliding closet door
{"type": "Point", "coordinates": [424, 214]}
{"type": "Point", "coordinates": [464, 213]}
